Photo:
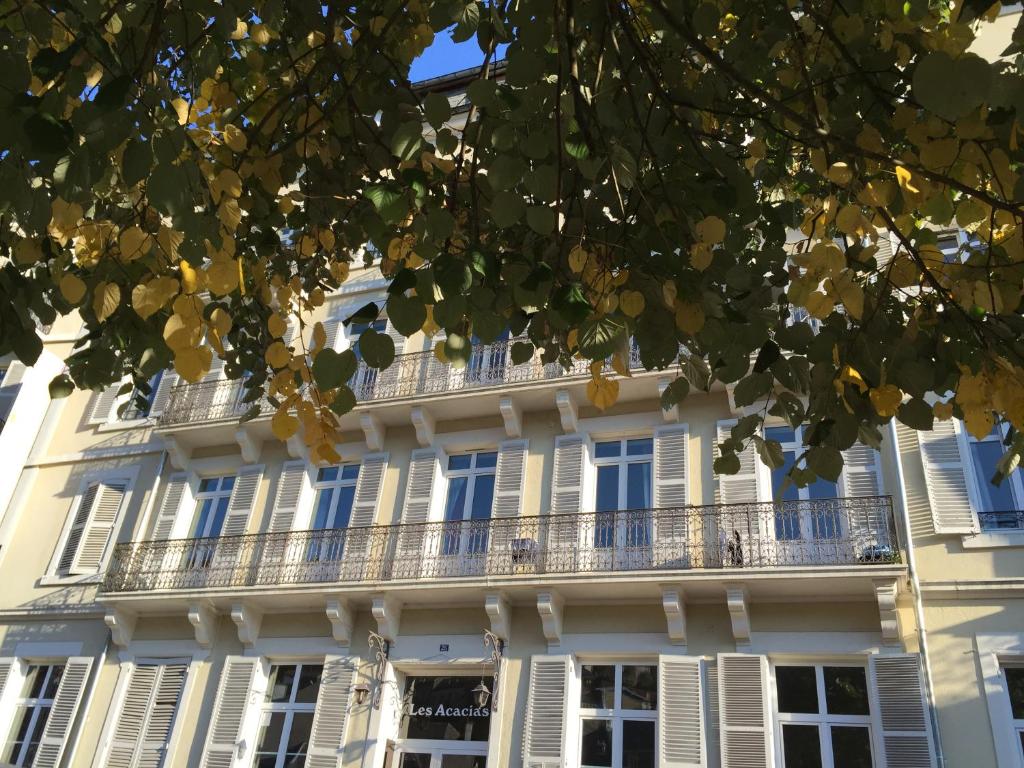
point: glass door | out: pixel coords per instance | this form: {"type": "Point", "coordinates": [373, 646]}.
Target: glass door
{"type": "Point", "coordinates": [467, 512]}
{"type": "Point", "coordinates": [622, 532]}
{"type": "Point", "coordinates": [365, 380]}
{"type": "Point", "coordinates": [443, 725]}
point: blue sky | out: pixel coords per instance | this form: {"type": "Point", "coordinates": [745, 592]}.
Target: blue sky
{"type": "Point", "coordinates": [444, 56]}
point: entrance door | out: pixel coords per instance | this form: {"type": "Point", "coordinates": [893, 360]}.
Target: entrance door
{"type": "Point", "coordinates": [422, 756]}
{"type": "Point", "coordinates": [442, 724]}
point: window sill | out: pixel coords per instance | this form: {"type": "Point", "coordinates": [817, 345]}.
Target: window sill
{"type": "Point", "coordinates": [49, 580]}
{"type": "Point", "coordinates": [994, 539]}
{"type": "Point", "coordinates": [118, 426]}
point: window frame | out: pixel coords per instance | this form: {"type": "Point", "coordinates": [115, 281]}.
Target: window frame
{"type": "Point", "coordinates": [35, 703]}
{"type": "Point", "coordinates": [976, 483]}
{"type": "Point", "coordinates": [333, 487]}
{"type": "Point", "coordinates": [266, 708]}
{"type": "Point", "coordinates": [1016, 723]}
{"type": "Point", "coordinates": [616, 714]}
{"type": "Point", "coordinates": [200, 496]}
{"type": "Point", "coordinates": [623, 460]}
{"type": "Point", "coordinates": [472, 472]}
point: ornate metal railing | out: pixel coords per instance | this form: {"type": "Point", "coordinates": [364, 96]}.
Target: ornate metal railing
{"type": "Point", "coordinates": [1012, 520]}
{"type": "Point", "coordinates": [847, 531]}
{"type": "Point", "coordinates": [410, 375]}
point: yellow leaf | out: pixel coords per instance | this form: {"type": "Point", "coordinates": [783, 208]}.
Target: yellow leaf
{"type": "Point", "coordinates": [229, 183]}
{"type": "Point", "coordinates": [631, 303]}
{"type": "Point", "coordinates": [621, 366]}
{"type": "Point", "coordinates": [260, 34]}
{"type": "Point", "coordinates": [277, 326]}
{"type": "Point", "coordinates": [181, 109]}
{"type": "Point", "coordinates": [222, 276]}
{"type": "Point", "coordinates": [849, 219]}
{"type": "Point", "coordinates": [169, 239]}
{"type": "Point", "coordinates": [850, 375]}
{"type": "Point", "coordinates": [65, 218]}
{"type": "Point", "coordinates": [886, 400]}
{"type": "Point", "coordinates": [278, 355]}
{"type": "Point", "coordinates": [283, 424]}
{"type": "Point", "coordinates": [220, 321]}
{"type": "Point", "coordinates": [106, 298]}
{"type": "Point", "coordinates": [877, 193]}
{"type": "Point", "coordinates": [326, 238]}
{"type": "Point", "coordinates": [849, 292]}
{"type": "Point", "coordinates": [192, 364]}
{"type": "Point", "coordinates": [939, 154]}
{"type": "Point", "coordinates": [820, 305]}
{"type": "Point", "coordinates": [906, 180]}
{"type": "Point", "coordinates": [602, 392]}
{"type": "Point", "coordinates": [319, 336]}
{"type": "Point", "coordinates": [701, 256]}
{"type": "Point", "coordinates": [285, 205]}
{"type": "Point", "coordinates": [711, 230]}
{"type": "Point", "coordinates": [578, 259]}
{"type": "Point", "coordinates": [669, 293]}
{"type": "Point", "coordinates": [840, 173]}
{"type": "Point", "coordinates": [230, 214]}
{"type": "Point", "coordinates": [134, 243]}
{"type": "Point", "coordinates": [28, 251]}
{"type": "Point", "coordinates": [979, 421]}
{"type": "Point", "coordinates": [149, 298]}
{"type": "Point", "coordinates": [307, 245]}
{"type": "Point", "coordinates": [943, 411]}
{"type": "Point", "coordinates": [190, 280]}
{"type": "Point", "coordinates": [689, 317]}
{"type": "Point", "coordinates": [234, 137]}
{"type": "Point", "coordinates": [72, 288]}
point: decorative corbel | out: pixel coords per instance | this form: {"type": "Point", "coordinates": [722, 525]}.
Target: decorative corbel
{"type": "Point", "coordinates": [296, 448]}
{"type": "Point", "coordinates": [248, 621]}
{"type": "Point", "coordinates": [176, 452]}
{"type": "Point", "coordinates": [550, 606]}
{"type": "Point", "coordinates": [498, 612]}
{"type": "Point", "coordinates": [737, 600]}
{"type": "Point", "coordinates": [424, 422]}
{"type": "Point", "coordinates": [248, 444]}
{"type": "Point", "coordinates": [675, 614]}
{"type": "Point", "coordinates": [512, 415]}
{"type": "Point", "coordinates": [203, 619]}
{"type": "Point", "coordinates": [388, 613]}
{"type": "Point", "coordinates": [668, 414]}
{"type": "Point", "coordinates": [121, 624]}
{"type": "Point", "coordinates": [886, 591]}
{"type": "Point", "coordinates": [341, 618]}
{"type": "Point", "coordinates": [373, 430]}
{"type": "Point", "coordinates": [567, 411]}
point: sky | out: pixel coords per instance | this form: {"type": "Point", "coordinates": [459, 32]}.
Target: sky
{"type": "Point", "coordinates": [444, 56]}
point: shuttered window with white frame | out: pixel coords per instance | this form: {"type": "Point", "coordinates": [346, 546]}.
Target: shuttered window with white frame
{"type": "Point", "coordinates": [244, 494]}
{"type": "Point", "coordinates": [671, 451]}
{"type": "Point", "coordinates": [234, 713]}
{"type": "Point", "coordinates": [101, 407]}
{"type": "Point", "coordinates": [327, 741]}
{"type": "Point", "coordinates": [567, 477]}
{"type": "Point", "coordinates": [290, 496]}
{"type": "Point", "coordinates": [142, 728]}
{"type": "Point", "coordinates": [96, 511]}
{"type": "Point", "coordinates": [511, 475]}
{"type": "Point", "coordinates": [943, 455]}
{"type": "Point", "coordinates": [681, 726]}
{"type": "Point", "coordinates": [900, 711]}
{"type": "Point", "coordinates": [372, 469]}
{"type": "Point", "coordinates": [744, 714]}
{"type": "Point", "coordinates": [548, 729]}
{"type": "Point", "coordinates": [177, 496]}
{"type": "Point", "coordinates": [61, 722]}
{"type": "Point", "coordinates": [418, 507]}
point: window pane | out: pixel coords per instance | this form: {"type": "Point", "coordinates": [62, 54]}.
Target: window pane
{"type": "Point", "coordinates": [638, 485]}
{"type": "Point", "coordinates": [219, 515]}
{"type": "Point", "coordinates": [53, 681]}
{"type": "Point", "coordinates": [851, 747]}
{"type": "Point", "coordinates": [642, 447]}
{"type": "Point", "coordinates": [607, 450]}
{"type": "Point", "coordinates": [270, 733]}
{"type": "Point", "coordinates": [486, 460]}
{"type": "Point", "coordinates": [797, 689]}
{"type": "Point", "coordinates": [343, 509]}
{"type": "Point", "coordinates": [822, 489]}
{"type": "Point", "coordinates": [309, 683]}
{"type": "Point", "coordinates": [460, 461]}
{"type": "Point", "coordinates": [598, 690]}
{"type": "Point", "coordinates": [846, 691]}
{"type": "Point", "coordinates": [327, 475]}
{"type": "Point", "coordinates": [639, 687]}
{"type": "Point", "coordinates": [780, 434]}
{"type": "Point", "coordinates": [1015, 685]}
{"type": "Point", "coordinates": [350, 472]}
{"type": "Point", "coordinates": [203, 518]}
{"type": "Point", "coordinates": [34, 679]}
{"type": "Point", "coordinates": [324, 497]}
{"type": "Point", "coordinates": [298, 739]}
{"type": "Point", "coordinates": [483, 497]}
{"type": "Point", "coordinates": [463, 761]}
{"type": "Point", "coordinates": [637, 744]}
{"type": "Point", "coordinates": [985, 456]}
{"type": "Point", "coordinates": [207, 484]}
{"type": "Point", "coordinates": [415, 760]}
{"type": "Point", "coordinates": [801, 746]}
{"type": "Point", "coordinates": [456, 503]}
{"type": "Point", "coordinates": [597, 743]}
{"type": "Point", "coordinates": [281, 678]}
{"type": "Point", "coordinates": [227, 483]}
{"type": "Point", "coordinates": [607, 489]}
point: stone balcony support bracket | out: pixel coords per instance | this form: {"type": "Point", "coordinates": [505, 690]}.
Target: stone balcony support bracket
{"type": "Point", "coordinates": [512, 415]}
{"type": "Point", "coordinates": [675, 614]}
{"type": "Point", "coordinates": [423, 420]}
{"type": "Point", "coordinates": [341, 618]}
{"type": "Point", "coordinates": [886, 591]}
{"type": "Point", "coordinates": [669, 414]}
{"type": "Point", "coordinates": [737, 600]}
{"type": "Point", "coordinates": [122, 626]}
{"type": "Point", "coordinates": [567, 411]}
{"type": "Point", "coordinates": [177, 453]}
{"type": "Point", "coordinates": [550, 606]}
{"type": "Point", "coordinates": [296, 448]}
{"type": "Point", "coordinates": [388, 613]}
{"type": "Point", "coordinates": [249, 445]}
{"type": "Point", "coordinates": [248, 621]}
{"type": "Point", "coordinates": [203, 619]}
{"type": "Point", "coordinates": [373, 430]}
{"type": "Point", "coordinates": [498, 612]}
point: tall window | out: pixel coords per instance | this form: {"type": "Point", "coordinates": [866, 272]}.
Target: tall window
{"type": "Point", "coordinates": [212, 505]}
{"type": "Point", "coordinates": [824, 716]}
{"type": "Point", "coordinates": [140, 403]}
{"type": "Point", "coordinates": [286, 720]}
{"type": "Point", "coordinates": [797, 521]}
{"type": "Point", "coordinates": [335, 492]}
{"type": "Point", "coordinates": [623, 482]}
{"type": "Point", "coordinates": [33, 709]}
{"type": "Point", "coordinates": [365, 379]}
{"type": "Point", "coordinates": [1001, 505]}
{"type": "Point", "coordinates": [619, 713]}
{"type": "Point", "coordinates": [470, 497]}
{"type": "Point", "coordinates": [1015, 687]}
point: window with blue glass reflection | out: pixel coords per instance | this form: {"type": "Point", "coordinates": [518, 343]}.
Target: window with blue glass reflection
{"type": "Point", "coordinates": [470, 498]}
{"type": "Point", "coordinates": [795, 521]}
{"type": "Point", "coordinates": [999, 505]}
{"type": "Point", "coordinates": [624, 482]}
{"type": "Point", "coordinates": [332, 510]}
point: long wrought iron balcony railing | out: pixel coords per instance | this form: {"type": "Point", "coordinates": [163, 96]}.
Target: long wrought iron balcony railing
{"type": "Point", "coordinates": [821, 532]}
{"type": "Point", "coordinates": [410, 375]}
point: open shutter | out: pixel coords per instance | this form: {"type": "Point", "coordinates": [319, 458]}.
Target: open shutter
{"type": "Point", "coordinates": [567, 478]}
{"type": "Point", "coordinates": [901, 710]}
{"type": "Point", "coordinates": [861, 475]}
{"type": "Point", "coordinates": [177, 485]}
{"type": "Point", "coordinates": [157, 734]}
{"type": "Point", "coordinates": [745, 725]}
{"type": "Point", "coordinates": [327, 740]}
{"type": "Point", "coordinates": [368, 484]}
{"type": "Point", "coordinates": [508, 485]}
{"type": "Point", "coordinates": [946, 478]}
{"type": "Point", "coordinates": [163, 393]}
{"type": "Point", "coordinates": [670, 466]}
{"type": "Point", "coordinates": [745, 486]}
{"type": "Point", "coordinates": [713, 740]}
{"type": "Point", "coordinates": [99, 527]}
{"type": "Point", "coordinates": [78, 525]}
{"type": "Point", "coordinates": [102, 408]}
{"type": "Point", "coordinates": [62, 713]}
{"type": "Point", "coordinates": [546, 736]}
{"type": "Point", "coordinates": [229, 712]}
{"type": "Point", "coordinates": [680, 713]}
{"type": "Point", "coordinates": [130, 721]}
{"type": "Point", "coordinates": [290, 484]}
{"type": "Point", "coordinates": [6, 665]}
{"type": "Point", "coordinates": [243, 499]}
{"type": "Point", "coordinates": [422, 467]}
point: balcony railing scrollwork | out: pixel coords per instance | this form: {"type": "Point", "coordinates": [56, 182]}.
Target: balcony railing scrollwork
{"type": "Point", "coordinates": [821, 532]}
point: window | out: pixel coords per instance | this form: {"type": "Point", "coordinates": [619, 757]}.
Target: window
{"type": "Point", "coordinates": [91, 526]}
{"type": "Point", "coordinates": [441, 725]}
{"type": "Point", "coordinates": [470, 497]}
{"type": "Point", "coordinates": [140, 403]}
{"type": "Point", "coordinates": [1000, 506]}
{"type": "Point", "coordinates": [623, 483]}
{"type": "Point", "coordinates": [212, 506]}
{"type": "Point", "coordinates": [31, 713]}
{"type": "Point", "coordinates": [142, 728]}
{"type": "Point", "coordinates": [332, 509]}
{"type": "Point", "coordinates": [823, 716]}
{"type": "Point", "coordinates": [956, 246]}
{"type": "Point", "coordinates": [286, 719]}
{"type": "Point", "coordinates": [1015, 687]}
{"type": "Point", "coordinates": [619, 715]}
{"type": "Point", "coordinates": [795, 521]}
{"type": "Point", "coordinates": [365, 377]}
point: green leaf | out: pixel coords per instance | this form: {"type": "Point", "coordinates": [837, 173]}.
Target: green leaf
{"type": "Point", "coordinates": [388, 200]}
{"type": "Point", "coordinates": [136, 161]}
{"type": "Point", "coordinates": [365, 314]}
{"type": "Point", "coordinates": [570, 304]}
{"type": "Point", "coordinates": [112, 93]}
{"type": "Point", "coordinates": [406, 313]}
{"type": "Point", "coordinates": [770, 451]}
{"type": "Point", "coordinates": [623, 166]}
{"type": "Point", "coordinates": [752, 388]}
{"type": "Point", "coordinates": [541, 219]}
{"type": "Point", "coordinates": [407, 141]}
{"type": "Point", "coordinates": [826, 462]}
{"type": "Point", "coordinates": [458, 349]}
{"type": "Point", "coordinates": [332, 369]}
{"type": "Point", "coordinates": [599, 336]}
{"type": "Point", "coordinates": [468, 20]}
{"type": "Point", "coordinates": [61, 386]}
{"type": "Point", "coordinates": [917, 414]}
{"type": "Point", "coordinates": [507, 208]}
{"type": "Point", "coordinates": [167, 189]}
{"type": "Point", "coordinates": [705, 19]}
{"type": "Point", "coordinates": [376, 349]}
{"type": "Point", "coordinates": [675, 393]}
{"type": "Point", "coordinates": [505, 172]}
{"type": "Point", "coordinates": [951, 87]}
{"type": "Point", "coordinates": [344, 401]}
{"type": "Point", "coordinates": [47, 134]}
{"type": "Point", "coordinates": [522, 352]}
{"type": "Point", "coordinates": [436, 109]}
{"type": "Point", "coordinates": [768, 354]}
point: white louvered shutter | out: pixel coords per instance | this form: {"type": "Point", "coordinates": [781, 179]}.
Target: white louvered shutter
{"type": "Point", "coordinates": [62, 713]}
{"type": "Point", "coordinates": [368, 485]}
{"type": "Point", "coordinates": [6, 665]}
{"type": "Point", "coordinates": [861, 472]}
{"type": "Point", "coordinates": [132, 718]}
{"type": "Point", "coordinates": [327, 740]}
{"type": "Point", "coordinates": [884, 254]}
{"type": "Point", "coordinates": [546, 732]}
{"type": "Point", "coordinates": [166, 698]}
{"type": "Point", "coordinates": [744, 721]}
{"type": "Point", "coordinates": [422, 468]}
{"type": "Point", "coordinates": [508, 484]}
{"type": "Point", "coordinates": [946, 477]}
{"type": "Point", "coordinates": [290, 485]}
{"type": "Point", "coordinates": [901, 711]}
{"type": "Point", "coordinates": [163, 393]}
{"type": "Point", "coordinates": [102, 408]}
{"type": "Point", "coordinates": [567, 478]}
{"type": "Point", "coordinates": [243, 499]}
{"type": "Point", "coordinates": [745, 486]}
{"type": "Point", "coordinates": [174, 494]}
{"type": "Point", "coordinates": [78, 525]}
{"type": "Point", "coordinates": [229, 712]}
{"type": "Point", "coordinates": [680, 713]}
{"type": "Point", "coordinates": [334, 332]}
{"type": "Point", "coordinates": [99, 528]}
{"type": "Point", "coordinates": [670, 466]}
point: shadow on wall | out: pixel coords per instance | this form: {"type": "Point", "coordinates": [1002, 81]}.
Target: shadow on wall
{"type": "Point", "coordinates": [72, 596]}
{"type": "Point", "coordinates": [46, 631]}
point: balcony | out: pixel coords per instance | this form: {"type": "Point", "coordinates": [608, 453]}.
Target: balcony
{"type": "Point", "coordinates": [853, 535]}
{"type": "Point", "coordinates": [412, 375]}
{"type": "Point", "coordinates": [1012, 520]}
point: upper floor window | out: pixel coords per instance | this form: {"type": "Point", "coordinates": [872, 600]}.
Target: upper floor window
{"type": "Point", "coordinates": [470, 497]}
{"type": "Point", "coordinates": [1015, 688]}
{"type": "Point", "coordinates": [32, 710]}
{"type": "Point", "coordinates": [140, 403]}
{"type": "Point", "coordinates": [335, 492]}
{"type": "Point", "coordinates": [619, 715]}
{"type": "Point", "coordinates": [286, 719]}
{"type": "Point", "coordinates": [794, 521]}
{"type": "Point", "coordinates": [1000, 506]}
{"type": "Point", "coordinates": [823, 716]}
{"type": "Point", "coordinates": [623, 474]}
{"type": "Point", "coordinates": [956, 245]}
{"type": "Point", "coordinates": [212, 506]}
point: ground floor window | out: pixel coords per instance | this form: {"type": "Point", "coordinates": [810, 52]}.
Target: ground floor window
{"type": "Point", "coordinates": [286, 720]}
{"type": "Point", "coordinates": [1015, 687]}
{"type": "Point", "coordinates": [444, 724]}
{"type": "Point", "coordinates": [823, 716]}
{"type": "Point", "coordinates": [619, 715]}
{"type": "Point", "coordinates": [31, 713]}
